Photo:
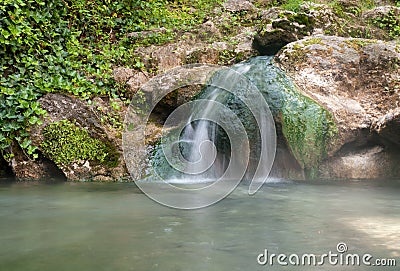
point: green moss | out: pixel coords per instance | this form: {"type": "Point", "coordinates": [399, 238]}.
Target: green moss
{"type": "Point", "coordinates": [300, 18]}
{"type": "Point", "coordinates": [308, 129]}
{"type": "Point", "coordinates": [65, 143]}
{"type": "Point", "coordinates": [312, 41]}
{"type": "Point", "coordinates": [297, 54]}
{"type": "Point", "coordinates": [358, 44]}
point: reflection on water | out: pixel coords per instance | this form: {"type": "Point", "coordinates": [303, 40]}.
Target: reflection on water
{"type": "Point", "coordinates": [89, 226]}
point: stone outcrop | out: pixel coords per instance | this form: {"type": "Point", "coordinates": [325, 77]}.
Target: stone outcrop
{"type": "Point", "coordinates": [279, 27]}
{"type": "Point", "coordinates": [96, 119]}
{"type": "Point", "coordinates": [358, 81]}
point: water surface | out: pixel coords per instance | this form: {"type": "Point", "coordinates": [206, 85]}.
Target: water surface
{"type": "Point", "coordinates": [91, 226]}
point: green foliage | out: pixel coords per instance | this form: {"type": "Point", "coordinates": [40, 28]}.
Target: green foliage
{"type": "Point", "coordinates": [71, 46]}
{"type": "Point", "coordinates": [65, 143]}
{"type": "Point", "coordinates": [292, 5]}
{"type": "Point", "coordinates": [390, 23]}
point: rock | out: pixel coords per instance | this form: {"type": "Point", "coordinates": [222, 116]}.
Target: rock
{"type": "Point", "coordinates": [369, 163]}
{"type": "Point", "coordinates": [122, 75]}
{"type": "Point", "coordinates": [92, 124]}
{"type": "Point", "coordinates": [164, 58]}
{"type": "Point", "coordinates": [238, 5]}
{"type": "Point", "coordinates": [159, 59]}
{"type": "Point", "coordinates": [357, 80]}
{"type": "Point", "coordinates": [25, 168]}
{"type": "Point", "coordinates": [381, 12]}
{"type": "Point", "coordinates": [388, 126]}
{"type": "Point", "coordinates": [209, 30]}
{"type": "Point", "coordinates": [279, 27]}
{"type": "Point", "coordinates": [136, 81]}
{"type": "Point", "coordinates": [287, 28]}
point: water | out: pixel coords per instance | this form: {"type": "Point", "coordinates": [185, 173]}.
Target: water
{"type": "Point", "coordinates": [227, 131]}
{"type": "Point", "coordinates": [91, 226]}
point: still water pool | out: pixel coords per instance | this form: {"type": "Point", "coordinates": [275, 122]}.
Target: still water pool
{"type": "Point", "coordinates": [91, 226]}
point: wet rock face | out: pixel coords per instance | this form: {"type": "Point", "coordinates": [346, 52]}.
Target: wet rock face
{"type": "Point", "coordinates": [89, 122]}
{"type": "Point", "coordinates": [358, 81]}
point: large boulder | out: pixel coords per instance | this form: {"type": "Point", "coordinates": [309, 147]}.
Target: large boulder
{"type": "Point", "coordinates": [358, 81]}
{"type": "Point", "coordinates": [82, 140]}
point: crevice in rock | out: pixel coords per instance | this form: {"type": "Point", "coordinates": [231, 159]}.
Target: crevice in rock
{"type": "Point", "coordinates": [41, 168]}
{"type": "Point", "coordinates": [270, 49]}
{"type": "Point", "coordinates": [5, 169]}
{"type": "Point", "coordinates": [53, 172]}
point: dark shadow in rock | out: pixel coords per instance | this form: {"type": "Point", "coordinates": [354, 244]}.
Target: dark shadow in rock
{"type": "Point", "coordinates": [268, 50]}
{"type": "Point", "coordinates": [5, 170]}
{"type": "Point", "coordinates": [285, 165]}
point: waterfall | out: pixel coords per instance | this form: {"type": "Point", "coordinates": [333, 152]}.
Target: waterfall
{"type": "Point", "coordinates": [231, 119]}
{"type": "Point", "coordinates": [231, 128]}
{"type": "Point", "coordinates": [201, 138]}
{"type": "Point", "coordinates": [226, 134]}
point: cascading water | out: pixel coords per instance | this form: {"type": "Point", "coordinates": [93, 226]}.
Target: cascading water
{"type": "Point", "coordinates": [226, 134]}
{"type": "Point", "coordinates": [206, 146]}
{"type": "Point", "coordinates": [201, 138]}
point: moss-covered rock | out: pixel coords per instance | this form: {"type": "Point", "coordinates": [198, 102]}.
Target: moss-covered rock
{"type": "Point", "coordinates": [65, 143]}
{"type": "Point", "coordinates": [357, 81]}
{"type": "Point", "coordinates": [307, 127]}
{"type": "Point", "coordinates": [279, 27]}
{"type": "Point", "coordinates": [83, 140]}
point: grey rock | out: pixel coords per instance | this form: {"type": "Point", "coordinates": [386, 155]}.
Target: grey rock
{"type": "Point", "coordinates": [357, 80]}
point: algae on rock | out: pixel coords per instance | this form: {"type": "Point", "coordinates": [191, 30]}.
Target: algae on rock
{"type": "Point", "coordinates": [307, 127]}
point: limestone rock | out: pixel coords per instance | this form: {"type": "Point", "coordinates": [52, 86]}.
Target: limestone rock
{"type": "Point", "coordinates": [25, 168]}
{"type": "Point", "coordinates": [136, 81]}
{"type": "Point", "coordinates": [369, 163]}
{"type": "Point", "coordinates": [96, 120]}
{"type": "Point", "coordinates": [238, 5]}
{"type": "Point", "coordinates": [122, 75]}
{"type": "Point", "coordinates": [279, 27]}
{"type": "Point", "coordinates": [287, 28]}
{"type": "Point", "coordinates": [358, 81]}
{"type": "Point", "coordinates": [388, 126]}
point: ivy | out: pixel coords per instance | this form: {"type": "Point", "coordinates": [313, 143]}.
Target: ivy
{"type": "Point", "coordinates": [71, 46]}
{"type": "Point", "coordinates": [390, 23]}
